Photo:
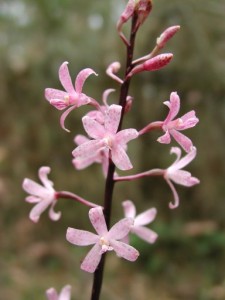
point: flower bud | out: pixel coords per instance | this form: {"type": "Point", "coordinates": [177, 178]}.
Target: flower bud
{"type": "Point", "coordinates": [157, 62]}
{"type": "Point", "coordinates": [152, 64]}
{"type": "Point", "coordinates": [142, 9]}
{"type": "Point", "coordinates": [166, 36]}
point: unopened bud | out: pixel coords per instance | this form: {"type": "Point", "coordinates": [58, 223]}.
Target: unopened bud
{"type": "Point", "coordinates": [153, 64]}
{"type": "Point", "coordinates": [166, 36]}
{"type": "Point", "coordinates": [142, 9]}
{"type": "Point", "coordinates": [157, 62]}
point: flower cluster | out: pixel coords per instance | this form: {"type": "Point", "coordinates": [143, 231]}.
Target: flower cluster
{"type": "Point", "coordinates": [106, 143]}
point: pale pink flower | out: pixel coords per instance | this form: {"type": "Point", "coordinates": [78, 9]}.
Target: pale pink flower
{"type": "Point", "coordinates": [101, 157]}
{"type": "Point", "coordinates": [140, 221]}
{"type": "Point", "coordinates": [64, 294]}
{"type": "Point", "coordinates": [182, 177]}
{"type": "Point", "coordinates": [106, 137]}
{"type": "Point", "coordinates": [173, 127]}
{"type": "Point", "coordinates": [103, 241]}
{"type": "Point", "coordinates": [43, 195]}
{"type": "Point", "coordinates": [73, 96]}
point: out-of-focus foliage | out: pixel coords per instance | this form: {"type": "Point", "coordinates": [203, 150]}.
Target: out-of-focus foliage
{"type": "Point", "coordinates": [188, 260]}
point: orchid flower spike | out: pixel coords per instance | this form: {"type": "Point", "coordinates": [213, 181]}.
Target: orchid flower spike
{"type": "Point", "coordinates": [44, 196]}
{"type": "Point", "coordinates": [73, 96]}
{"type": "Point", "coordinates": [138, 228]}
{"type": "Point", "coordinates": [51, 293]}
{"type": "Point", "coordinates": [182, 177]}
{"type": "Point", "coordinates": [103, 241]}
{"type": "Point", "coordinates": [173, 127]}
{"type": "Point", "coordinates": [106, 137]}
{"type": "Point", "coordinates": [141, 8]}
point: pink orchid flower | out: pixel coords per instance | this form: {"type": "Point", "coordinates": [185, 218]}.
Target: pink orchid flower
{"type": "Point", "coordinates": [140, 221]}
{"type": "Point", "coordinates": [103, 241]}
{"type": "Point", "coordinates": [101, 157]}
{"type": "Point", "coordinates": [173, 127]}
{"type": "Point", "coordinates": [72, 97]}
{"type": "Point", "coordinates": [182, 177]}
{"type": "Point", "coordinates": [64, 294]}
{"type": "Point", "coordinates": [106, 137]}
{"type": "Point", "coordinates": [43, 196]}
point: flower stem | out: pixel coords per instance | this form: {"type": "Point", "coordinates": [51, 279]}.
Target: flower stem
{"type": "Point", "coordinates": [69, 195]}
{"type": "Point", "coordinates": [109, 185]}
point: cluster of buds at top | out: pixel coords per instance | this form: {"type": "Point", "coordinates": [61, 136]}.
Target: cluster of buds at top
{"type": "Point", "coordinates": [138, 8]}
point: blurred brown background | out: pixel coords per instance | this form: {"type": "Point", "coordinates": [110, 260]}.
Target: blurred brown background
{"type": "Point", "coordinates": [187, 261]}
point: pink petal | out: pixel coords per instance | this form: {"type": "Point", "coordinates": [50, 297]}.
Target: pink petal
{"type": "Point", "coordinates": [54, 216]}
{"type": "Point", "coordinates": [129, 209]}
{"type": "Point", "coordinates": [182, 140]}
{"type": "Point", "coordinates": [32, 199]}
{"type": "Point", "coordinates": [93, 128]}
{"type": "Point", "coordinates": [124, 136]}
{"type": "Point", "coordinates": [38, 209]}
{"type": "Point", "coordinates": [120, 158]}
{"type": "Point", "coordinates": [146, 217]}
{"type": "Point", "coordinates": [164, 139]}
{"type": "Point", "coordinates": [43, 175]}
{"type": "Point", "coordinates": [124, 250]}
{"type": "Point", "coordinates": [97, 219]}
{"type": "Point", "coordinates": [145, 233]}
{"type": "Point", "coordinates": [82, 100]}
{"type": "Point", "coordinates": [88, 149]}
{"type": "Point", "coordinates": [112, 118]}
{"type": "Point", "coordinates": [64, 116]}
{"type": "Point", "coordinates": [175, 195]}
{"type": "Point", "coordinates": [80, 164]}
{"type": "Point", "coordinates": [51, 94]}
{"type": "Point", "coordinates": [52, 294]}
{"type": "Point", "coordinates": [174, 107]}
{"type": "Point", "coordinates": [189, 115]}
{"type": "Point", "coordinates": [80, 139]}
{"type": "Point", "coordinates": [180, 163]}
{"type": "Point", "coordinates": [65, 78]}
{"type": "Point", "coordinates": [59, 104]}
{"type": "Point", "coordinates": [177, 152]}
{"type": "Point", "coordinates": [81, 78]}
{"type": "Point", "coordinates": [183, 177]}
{"type": "Point", "coordinates": [33, 188]}
{"type": "Point", "coordinates": [105, 96]}
{"type": "Point", "coordinates": [81, 237]}
{"type": "Point", "coordinates": [120, 229]}
{"type": "Point", "coordinates": [65, 293]}
{"type": "Point", "coordinates": [92, 260]}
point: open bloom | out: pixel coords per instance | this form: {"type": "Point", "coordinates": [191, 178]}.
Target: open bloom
{"type": "Point", "coordinates": [103, 241]}
{"type": "Point", "coordinates": [105, 136]}
{"type": "Point", "coordinates": [64, 294]}
{"type": "Point", "coordinates": [72, 97]}
{"type": "Point", "coordinates": [140, 221]}
{"type": "Point", "coordinates": [182, 177]}
{"type": "Point", "coordinates": [43, 196]}
{"type": "Point", "coordinates": [173, 127]}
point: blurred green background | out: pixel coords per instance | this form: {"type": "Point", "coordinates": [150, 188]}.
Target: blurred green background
{"type": "Point", "coordinates": [187, 261]}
